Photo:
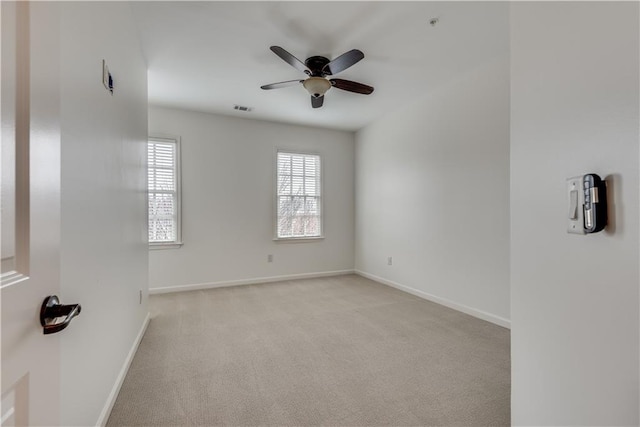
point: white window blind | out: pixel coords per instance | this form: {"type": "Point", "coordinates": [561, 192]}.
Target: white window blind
{"type": "Point", "coordinates": [163, 184]}
{"type": "Point", "coordinates": [298, 195]}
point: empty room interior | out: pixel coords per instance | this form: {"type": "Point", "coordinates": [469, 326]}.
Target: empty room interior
{"type": "Point", "coordinates": [320, 213]}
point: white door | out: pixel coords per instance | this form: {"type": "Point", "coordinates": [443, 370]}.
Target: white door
{"type": "Point", "coordinates": [30, 211]}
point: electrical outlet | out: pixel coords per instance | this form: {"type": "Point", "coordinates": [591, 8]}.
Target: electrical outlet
{"type": "Point", "coordinates": [389, 260]}
{"type": "Point", "coordinates": [269, 258]}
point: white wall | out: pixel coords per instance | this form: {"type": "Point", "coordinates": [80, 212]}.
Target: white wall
{"type": "Point", "coordinates": [228, 200]}
{"type": "Point", "coordinates": [432, 191]}
{"type": "Point", "coordinates": [575, 299]}
{"type": "Point", "coordinates": [104, 253]}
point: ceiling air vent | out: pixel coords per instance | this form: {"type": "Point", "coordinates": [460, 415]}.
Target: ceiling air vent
{"type": "Point", "coordinates": [242, 108]}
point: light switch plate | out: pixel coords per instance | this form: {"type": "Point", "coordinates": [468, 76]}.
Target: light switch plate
{"type": "Point", "coordinates": [575, 202]}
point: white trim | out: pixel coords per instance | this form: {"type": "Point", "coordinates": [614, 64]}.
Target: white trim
{"type": "Point", "coordinates": [497, 320]}
{"type": "Point", "coordinates": [11, 278]}
{"type": "Point", "coordinates": [298, 239]}
{"type": "Point", "coordinates": [160, 246]}
{"type": "Point", "coordinates": [111, 400]}
{"type": "Point", "coordinates": [254, 281]}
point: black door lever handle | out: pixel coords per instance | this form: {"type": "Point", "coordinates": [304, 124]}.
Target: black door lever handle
{"type": "Point", "coordinates": [52, 309]}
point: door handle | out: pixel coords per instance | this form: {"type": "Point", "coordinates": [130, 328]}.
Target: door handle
{"type": "Point", "coordinates": [52, 309]}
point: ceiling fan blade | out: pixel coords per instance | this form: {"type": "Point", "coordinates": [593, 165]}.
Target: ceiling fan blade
{"type": "Point", "coordinates": [281, 84]}
{"type": "Point", "coordinates": [290, 59]}
{"type": "Point", "coordinates": [317, 102]}
{"type": "Point", "coordinates": [343, 62]}
{"type": "Point", "coordinates": [350, 86]}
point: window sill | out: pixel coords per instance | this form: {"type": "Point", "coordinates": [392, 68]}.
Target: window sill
{"type": "Point", "coordinates": [297, 239]}
{"type": "Point", "coordinates": [159, 246]}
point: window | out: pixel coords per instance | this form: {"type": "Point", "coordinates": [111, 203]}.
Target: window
{"type": "Point", "coordinates": [298, 196]}
{"type": "Point", "coordinates": [164, 192]}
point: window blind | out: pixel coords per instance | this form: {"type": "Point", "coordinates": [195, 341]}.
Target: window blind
{"type": "Point", "coordinates": [298, 195]}
{"type": "Point", "coordinates": [163, 197]}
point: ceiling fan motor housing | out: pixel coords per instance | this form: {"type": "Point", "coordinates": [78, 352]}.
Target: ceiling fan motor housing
{"type": "Point", "coordinates": [315, 64]}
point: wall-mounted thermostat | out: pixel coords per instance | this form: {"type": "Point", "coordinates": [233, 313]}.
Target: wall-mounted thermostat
{"type": "Point", "coordinates": [587, 196]}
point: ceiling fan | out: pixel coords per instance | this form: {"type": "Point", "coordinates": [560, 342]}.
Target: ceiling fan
{"type": "Point", "coordinates": [318, 68]}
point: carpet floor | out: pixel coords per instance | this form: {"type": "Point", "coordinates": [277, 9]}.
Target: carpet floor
{"type": "Point", "coordinates": [338, 351]}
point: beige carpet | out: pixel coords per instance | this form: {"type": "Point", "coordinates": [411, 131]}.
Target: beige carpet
{"type": "Point", "coordinates": [339, 351]}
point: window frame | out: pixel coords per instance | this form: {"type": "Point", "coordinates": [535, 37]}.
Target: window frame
{"type": "Point", "coordinates": [302, 239]}
{"type": "Point", "coordinates": [178, 171]}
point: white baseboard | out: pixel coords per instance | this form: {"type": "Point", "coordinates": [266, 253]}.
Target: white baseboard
{"type": "Point", "coordinates": [500, 321]}
{"type": "Point", "coordinates": [111, 400]}
{"type": "Point", "coordinates": [253, 281]}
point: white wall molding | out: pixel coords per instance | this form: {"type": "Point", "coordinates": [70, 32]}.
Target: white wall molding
{"type": "Point", "coordinates": [497, 320]}
{"type": "Point", "coordinates": [252, 281]}
{"type": "Point", "coordinates": [111, 400]}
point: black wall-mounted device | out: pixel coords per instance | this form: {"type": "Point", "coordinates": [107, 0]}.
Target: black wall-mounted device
{"type": "Point", "coordinates": [595, 203]}
{"type": "Point", "coordinates": [587, 204]}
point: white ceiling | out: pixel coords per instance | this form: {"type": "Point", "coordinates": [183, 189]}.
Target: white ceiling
{"type": "Point", "coordinates": [210, 56]}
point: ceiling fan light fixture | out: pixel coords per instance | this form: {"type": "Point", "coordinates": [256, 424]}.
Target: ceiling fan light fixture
{"type": "Point", "coordinates": [317, 86]}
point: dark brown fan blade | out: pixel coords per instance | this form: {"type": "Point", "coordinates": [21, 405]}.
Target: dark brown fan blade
{"type": "Point", "coordinates": [350, 86]}
{"type": "Point", "coordinates": [317, 102]}
{"type": "Point", "coordinates": [343, 62]}
{"type": "Point", "coordinates": [290, 59]}
{"type": "Point", "coordinates": [281, 84]}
